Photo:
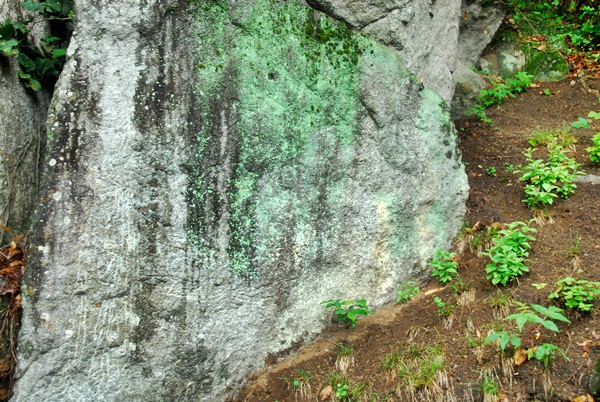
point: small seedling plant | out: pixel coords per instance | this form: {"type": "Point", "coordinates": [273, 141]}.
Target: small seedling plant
{"type": "Point", "coordinates": [347, 311]}
{"type": "Point", "coordinates": [509, 252]}
{"type": "Point", "coordinates": [445, 268]}
{"type": "Point", "coordinates": [498, 93]}
{"type": "Point", "coordinates": [407, 291]}
{"type": "Point", "coordinates": [594, 151]}
{"type": "Point", "coordinates": [547, 180]}
{"type": "Point", "coordinates": [539, 316]}
{"type": "Point", "coordinates": [576, 293]}
{"type": "Point", "coordinates": [444, 309]}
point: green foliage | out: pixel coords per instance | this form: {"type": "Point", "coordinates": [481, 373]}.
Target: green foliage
{"type": "Point", "coordinates": [444, 309]}
{"type": "Point", "coordinates": [544, 352]}
{"type": "Point", "coordinates": [345, 350]}
{"type": "Point", "coordinates": [594, 151]}
{"type": "Point", "coordinates": [42, 63]}
{"type": "Point", "coordinates": [509, 252]}
{"type": "Point", "coordinates": [341, 390]}
{"type": "Point", "coordinates": [545, 137]}
{"type": "Point", "coordinates": [489, 386]}
{"type": "Point", "coordinates": [491, 171]}
{"type": "Point", "coordinates": [547, 180]}
{"type": "Point", "coordinates": [576, 294]}
{"type": "Point", "coordinates": [407, 291]}
{"type": "Point", "coordinates": [498, 93]}
{"type": "Point", "coordinates": [417, 365]}
{"type": "Point", "coordinates": [578, 21]}
{"type": "Point", "coordinates": [510, 168]}
{"type": "Point", "coordinates": [347, 311]}
{"type": "Point", "coordinates": [533, 314]}
{"type": "Point", "coordinates": [445, 268]}
{"type": "Point", "coordinates": [504, 337]}
{"type": "Point", "coordinates": [581, 122]}
{"type": "Point", "coordinates": [537, 314]}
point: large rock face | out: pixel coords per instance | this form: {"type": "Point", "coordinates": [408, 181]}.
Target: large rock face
{"type": "Point", "coordinates": [217, 170]}
{"type": "Point", "coordinates": [425, 33]}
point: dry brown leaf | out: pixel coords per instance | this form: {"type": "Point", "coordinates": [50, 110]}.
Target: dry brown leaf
{"type": "Point", "coordinates": [534, 85]}
{"type": "Point", "coordinates": [584, 398]}
{"type": "Point", "coordinates": [520, 357]}
{"type": "Point", "coordinates": [325, 393]}
{"type": "Point", "coordinates": [585, 345]}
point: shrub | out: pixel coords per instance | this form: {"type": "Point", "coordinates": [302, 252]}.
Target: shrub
{"type": "Point", "coordinates": [509, 253]}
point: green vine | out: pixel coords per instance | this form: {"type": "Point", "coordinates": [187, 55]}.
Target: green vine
{"type": "Point", "coordinates": [38, 64]}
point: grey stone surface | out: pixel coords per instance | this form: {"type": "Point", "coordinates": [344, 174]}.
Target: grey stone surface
{"type": "Point", "coordinates": [506, 60]}
{"type": "Point", "coordinates": [478, 25]}
{"type": "Point", "coordinates": [22, 141]}
{"type": "Point", "coordinates": [588, 178]}
{"type": "Point", "coordinates": [425, 33]}
{"type": "Point", "coordinates": [174, 140]}
{"type": "Point", "coordinates": [467, 86]}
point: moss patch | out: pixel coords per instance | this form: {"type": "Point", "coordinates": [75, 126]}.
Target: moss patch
{"type": "Point", "coordinates": [277, 82]}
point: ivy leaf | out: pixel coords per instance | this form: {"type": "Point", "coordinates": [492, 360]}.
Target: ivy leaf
{"type": "Point", "coordinates": [32, 6]}
{"type": "Point", "coordinates": [26, 62]}
{"type": "Point", "coordinates": [61, 52]}
{"type": "Point", "coordinates": [7, 47]}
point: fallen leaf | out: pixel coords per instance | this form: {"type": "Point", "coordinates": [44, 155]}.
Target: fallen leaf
{"type": "Point", "coordinates": [534, 85]}
{"type": "Point", "coordinates": [520, 357]}
{"type": "Point", "coordinates": [325, 393]}
{"type": "Point", "coordinates": [585, 345]}
{"type": "Point", "coordinates": [584, 398]}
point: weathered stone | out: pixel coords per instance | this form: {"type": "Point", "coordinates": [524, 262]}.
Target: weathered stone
{"type": "Point", "coordinates": [425, 33]}
{"type": "Point", "coordinates": [22, 141]}
{"type": "Point", "coordinates": [211, 181]}
{"type": "Point", "coordinates": [506, 60]}
{"type": "Point", "coordinates": [478, 25]}
{"type": "Point", "coordinates": [546, 64]}
{"type": "Point", "coordinates": [467, 86]}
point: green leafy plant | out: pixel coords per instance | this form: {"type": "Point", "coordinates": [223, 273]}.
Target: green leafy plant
{"type": "Point", "coordinates": [547, 180]}
{"type": "Point", "coordinates": [594, 150]}
{"type": "Point", "coordinates": [537, 315]}
{"type": "Point", "coordinates": [498, 92]}
{"type": "Point", "coordinates": [300, 384]}
{"type": "Point", "coordinates": [445, 268]}
{"type": "Point", "coordinates": [444, 309]}
{"type": "Point", "coordinates": [509, 252]}
{"type": "Point", "coordinates": [491, 171]}
{"type": "Point", "coordinates": [509, 167]}
{"type": "Point", "coordinates": [341, 391]}
{"type": "Point", "coordinates": [581, 122]}
{"type": "Point", "coordinates": [347, 311]}
{"type": "Point", "coordinates": [576, 293]}
{"type": "Point", "coordinates": [545, 137]}
{"type": "Point", "coordinates": [544, 352]}
{"type": "Point", "coordinates": [38, 63]}
{"type": "Point", "coordinates": [407, 291]}
{"type": "Point", "coordinates": [547, 92]}
{"type": "Point", "coordinates": [489, 386]}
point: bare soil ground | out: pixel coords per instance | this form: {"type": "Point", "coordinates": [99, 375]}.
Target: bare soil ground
{"type": "Point", "coordinates": [461, 366]}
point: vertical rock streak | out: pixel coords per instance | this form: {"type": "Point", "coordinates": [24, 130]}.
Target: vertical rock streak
{"type": "Point", "coordinates": [214, 180]}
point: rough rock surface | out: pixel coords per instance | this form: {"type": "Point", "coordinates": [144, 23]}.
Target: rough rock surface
{"type": "Point", "coordinates": [478, 25]}
{"type": "Point", "coordinates": [425, 33]}
{"type": "Point", "coordinates": [467, 86]}
{"type": "Point", "coordinates": [210, 182]}
{"type": "Point", "coordinates": [22, 141]}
